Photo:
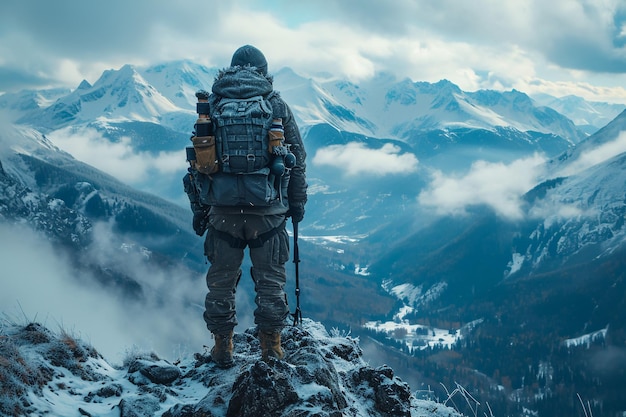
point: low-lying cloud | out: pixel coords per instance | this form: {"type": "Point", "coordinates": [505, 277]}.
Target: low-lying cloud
{"type": "Point", "coordinates": [118, 159]}
{"type": "Point", "coordinates": [497, 185]}
{"type": "Point", "coordinates": [356, 158]}
{"type": "Point", "coordinates": [596, 155]}
{"type": "Point", "coordinates": [40, 284]}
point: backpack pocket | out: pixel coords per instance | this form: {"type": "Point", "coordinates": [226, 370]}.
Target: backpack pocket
{"type": "Point", "coordinates": [246, 189]}
{"type": "Point", "coordinates": [206, 156]}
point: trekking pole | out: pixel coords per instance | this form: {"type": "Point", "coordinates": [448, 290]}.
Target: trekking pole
{"type": "Point", "coordinates": [297, 315]}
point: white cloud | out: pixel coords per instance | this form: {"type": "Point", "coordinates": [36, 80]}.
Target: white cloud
{"type": "Point", "coordinates": [51, 292]}
{"type": "Point", "coordinates": [357, 159]}
{"type": "Point", "coordinates": [483, 44]}
{"type": "Point", "coordinates": [552, 211]}
{"type": "Point", "coordinates": [596, 155]}
{"type": "Point", "coordinates": [117, 158]}
{"type": "Point", "coordinates": [496, 185]}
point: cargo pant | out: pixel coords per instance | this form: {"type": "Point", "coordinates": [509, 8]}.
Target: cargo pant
{"type": "Point", "coordinates": [268, 243]}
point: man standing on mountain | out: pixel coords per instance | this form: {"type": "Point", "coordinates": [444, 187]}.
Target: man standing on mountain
{"type": "Point", "coordinates": [233, 223]}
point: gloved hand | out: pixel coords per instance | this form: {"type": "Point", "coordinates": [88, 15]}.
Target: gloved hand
{"type": "Point", "coordinates": [296, 211]}
{"type": "Point", "coordinates": [200, 220]}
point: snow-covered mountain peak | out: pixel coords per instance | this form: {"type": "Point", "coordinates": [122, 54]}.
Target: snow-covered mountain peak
{"type": "Point", "coordinates": [383, 107]}
{"type": "Point", "coordinates": [179, 80]}
{"type": "Point", "coordinates": [15, 105]}
{"type": "Point", "coordinates": [125, 93]}
{"type": "Point", "coordinates": [441, 87]}
{"type": "Point", "coordinates": [398, 108]}
{"type": "Point", "coordinates": [84, 85]}
{"type": "Point", "coordinates": [118, 95]}
{"type": "Point", "coordinates": [313, 104]}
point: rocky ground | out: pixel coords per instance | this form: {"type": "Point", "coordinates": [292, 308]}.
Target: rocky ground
{"type": "Point", "coordinates": [43, 373]}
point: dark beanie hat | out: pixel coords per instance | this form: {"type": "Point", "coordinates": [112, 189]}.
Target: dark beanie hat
{"type": "Point", "coordinates": [249, 55]}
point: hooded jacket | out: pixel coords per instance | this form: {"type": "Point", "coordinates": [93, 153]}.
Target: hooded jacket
{"type": "Point", "coordinates": [245, 82]}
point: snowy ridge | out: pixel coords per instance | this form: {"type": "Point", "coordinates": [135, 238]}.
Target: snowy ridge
{"type": "Point", "coordinates": [395, 108]}
{"type": "Point", "coordinates": [589, 212]}
{"type": "Point", "coordinates": [382, 107]}
{"type": "Point", "coordinates": [322, 375]}
{"type": "Point", "coordinates": [179, 81]}
{"type": "Point", "coordinates": [587, 115]}
{"type": "Point", "coordinates": [16, 140]}
{"type": "Point", "coordinates": [119, 95]}
{"type": "Point", "coordinates": [583, 211]}
{"type": "Point", "coordinates": [21, 143]}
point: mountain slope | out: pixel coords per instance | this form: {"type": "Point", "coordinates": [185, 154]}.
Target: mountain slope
{"type": "Point", "coordinates": [65, 198]}
{"type": "Point", "coordinates": [572, 218]}
{"type": "Point", "coordinates": [581, 215]}
{"type": "Point", "coordinates": [607, 140]}
{"type": "Point", "coordinates": [117, 95]}
{"type": "Point", "coordinates": [179, 81]}
{"type": "Point", "coordinates": [535, 286]}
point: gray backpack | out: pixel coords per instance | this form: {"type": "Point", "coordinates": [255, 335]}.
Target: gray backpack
{"type": "Point", "coordinates": [241, 133]}
{"type": "Point", "coordinates": [242, 154]}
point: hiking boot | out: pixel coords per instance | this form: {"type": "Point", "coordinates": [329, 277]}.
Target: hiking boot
{"type": "Point", "coordinates": [270, 345]}
{"type": "Point", "coordinates": [222, 352]}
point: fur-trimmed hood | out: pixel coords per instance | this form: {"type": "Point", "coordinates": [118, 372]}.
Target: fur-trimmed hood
{"type": "Point", "coordinates": [242, 82]}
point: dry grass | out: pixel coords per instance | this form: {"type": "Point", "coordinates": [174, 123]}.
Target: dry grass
{"type": "Point", "coordinates": [27, 355]}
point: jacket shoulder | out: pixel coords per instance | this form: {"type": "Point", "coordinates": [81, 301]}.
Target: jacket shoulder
{"type": "Point", "coordinates": [279, 107]}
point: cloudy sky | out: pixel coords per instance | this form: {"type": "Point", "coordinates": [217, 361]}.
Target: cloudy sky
{"type": "Point", "coordinates": [559, 46]}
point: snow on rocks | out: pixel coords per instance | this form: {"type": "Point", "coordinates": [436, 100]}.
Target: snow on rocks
{"type": "Point", "coordinates": [44, 373]}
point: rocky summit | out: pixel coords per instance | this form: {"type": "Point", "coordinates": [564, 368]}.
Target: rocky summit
{"type": "Point", "coordinates": [44, 373]}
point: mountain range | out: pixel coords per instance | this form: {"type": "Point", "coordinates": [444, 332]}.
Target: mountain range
{"type": "Point", "coordinates": [381, 155]}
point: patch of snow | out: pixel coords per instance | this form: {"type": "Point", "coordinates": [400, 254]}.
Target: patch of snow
{"type": "Point", "coordinates": [403, 312]}
{"type": "Point", "coordinates": [407, 292]}
{"type": "Point", "coordinates": [359, 270]}
{"type": "Point", "coordinates": [416, 336]}
{"type": "Point", "coordinates": [324, 240]}
{"type": "Point", "coordinates": [83, 383]}
{"type": "Point", "coordinates": [587, 339]}
{"type": "Point", "coordinates": [515, 264]}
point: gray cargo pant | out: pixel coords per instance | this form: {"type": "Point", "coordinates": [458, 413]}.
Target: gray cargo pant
{"type": "Point", "coordinates": [224, 246]}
